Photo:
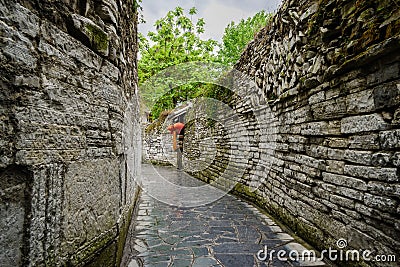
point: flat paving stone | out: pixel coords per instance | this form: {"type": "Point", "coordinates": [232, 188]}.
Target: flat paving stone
{"type": "Point", "coordinates": [205, 261]}
{"type": "Point", "coordinates": [227, 232]}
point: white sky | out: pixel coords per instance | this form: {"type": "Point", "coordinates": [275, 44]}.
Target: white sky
{"type": "Point", "coordinates": [216, 13]}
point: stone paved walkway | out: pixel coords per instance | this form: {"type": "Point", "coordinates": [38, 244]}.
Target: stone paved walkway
{"type": "Point", "coordinates": [227, 232]}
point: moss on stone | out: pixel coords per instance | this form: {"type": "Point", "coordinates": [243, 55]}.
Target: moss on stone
{"type": "Point", "coordinates": [107, 249]}
{"type": "Point", "coordinates": [94, 250]}
{"type": "Point", "coordinates": [124, 226]}
{"type": "Point", "coordinates": [99, 38]}
{"type": "Point", "coordinates": [106, 258]}
{"type": "Point", "coordinates": [155, 127]}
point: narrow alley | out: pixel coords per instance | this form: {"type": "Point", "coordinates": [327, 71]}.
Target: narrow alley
{"type": "Point", "coordinates": [226, 232]}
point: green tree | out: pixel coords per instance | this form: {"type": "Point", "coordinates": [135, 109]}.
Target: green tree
{"type": "Point", "coordinates": [175, 41]}
{"type": "Point", "coordinates": [237, 36]}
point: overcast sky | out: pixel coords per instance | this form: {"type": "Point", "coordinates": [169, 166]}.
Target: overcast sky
{"type": "Point", "coordinates": [216, 13]}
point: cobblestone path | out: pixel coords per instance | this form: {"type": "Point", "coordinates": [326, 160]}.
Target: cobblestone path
{"type": "Point", "coordinates": [227, 232]}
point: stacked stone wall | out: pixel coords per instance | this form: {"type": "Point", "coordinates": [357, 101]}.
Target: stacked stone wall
{"type": "Point", "coordinates": [322, 139]}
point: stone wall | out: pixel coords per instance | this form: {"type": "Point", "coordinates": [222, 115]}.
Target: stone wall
{"type": "Point", "coordinates": [69, 130]}
{"type": "Point", "coordinates": [322, 138]}
{"type": "Point", "coordinates": [157, 148]}
{"type": "Point", "coordinates": [157, 142]}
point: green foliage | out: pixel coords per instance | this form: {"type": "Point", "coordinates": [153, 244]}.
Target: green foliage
{"type": "Point", "coordinates": [176, 95]}
{"type": "Point", "coordinates": [237, 36]}
{"type": "Point", "coordinates": [217, 92]}
{"type": "Point", "coordinates": [137, 5]}
{"type": "Point", "coordinates": [175, 41]}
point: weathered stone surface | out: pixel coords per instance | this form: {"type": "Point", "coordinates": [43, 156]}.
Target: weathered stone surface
{"type": "Point", "coordinates": [317, 98]}
{"type": "Point", "coordinates": [395, 159]}
{"type": "Point", "coordinates": [381, 159]}
{"type": "Point", "coordinates": [92, 33]}
{"type": "Point", "coordinates": [337, 142]}
{"type": "Point", "coordinates": [106, 13]}
{"type": "Point", "coordinates": [28, 23]}
{"type": "Point", "coordinates": [64, 187]}
{"type": "Point", "coordinates": [12, 221]}
{"type": "Point", "coordinates": [363, 123]}
{"type": "Point", "coordinates": [368, 141]}
{"type": "Point", "coordinates": [344, 181]}
{"type": "Point", "coordinates": [101, 194]}
{"type": "Point", "coordinates": [360, 102]}
{"type": "Point", "coordinates": [382, 203]}
{"type": "Point", "coordinates": [381, 188]}
{"type": "Point", "coordinates": [358, 157]}
{"type": "Point", "coordinates": [321, 128]}
{"type": "Point", "coordinates": [14, 185]}
{"type": "Point", "coordinates": [383, 174]}
{"type": "Point", "coordinates": [17, 48]}
{"type": "Point", "coordinates": [334, 166]}
{"type": "Point", "coordinates": [396, 117]}
{"type": "Point", "coordinates": [390, 139]}
{"type": "Point", "coordinates": [387, 95]}
{"type": "Point", "coordinates": [342, 201]}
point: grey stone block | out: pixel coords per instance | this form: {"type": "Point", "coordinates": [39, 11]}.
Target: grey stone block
{"type": "Point", "coordinates": [382, 174]}
{"type": "Point", "coordinates": [363, 123]}
{"type": "Point", "coordinates": [380, 202]}
{"type": "Point", "coordinates": [345, 181]}
{"type": "Point", "coordinates": [88, 32]}
{"type": "Point", "coordinates": [390, 139]}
